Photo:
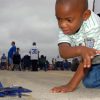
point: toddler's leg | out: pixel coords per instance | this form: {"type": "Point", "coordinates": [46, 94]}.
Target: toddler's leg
{"type": "Point", "coordinates": [92, 79]}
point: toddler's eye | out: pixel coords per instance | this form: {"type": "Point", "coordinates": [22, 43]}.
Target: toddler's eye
{"type": "Point", "coordinates": [69, 20]}
{"type": "Point", "coordinates": [59, 19]}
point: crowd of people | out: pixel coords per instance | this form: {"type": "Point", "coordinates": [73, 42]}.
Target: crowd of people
{"type": "Point", "coordinates": [65, 64]}
{"type": "Point", "coordinates": [33, 62]}
{"type": "Point", "coordinates": [30, 61]}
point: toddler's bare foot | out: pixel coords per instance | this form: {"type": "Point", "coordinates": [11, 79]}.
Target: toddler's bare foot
{"type": "Point", "coordinates": [62, 89]}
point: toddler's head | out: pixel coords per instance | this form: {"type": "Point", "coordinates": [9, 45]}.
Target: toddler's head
{"type": "Point", "coordinates": [71, 14]}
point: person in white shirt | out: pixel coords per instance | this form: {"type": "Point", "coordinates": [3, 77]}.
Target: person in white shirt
{"type": "Point", "coordinates": [34, 57]}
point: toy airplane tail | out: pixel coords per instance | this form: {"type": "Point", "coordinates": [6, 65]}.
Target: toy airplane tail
{"type": "Point", "coordinates": [1, 86]}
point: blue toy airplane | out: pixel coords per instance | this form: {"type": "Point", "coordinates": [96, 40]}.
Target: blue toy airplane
{"type": "Point", "coordinates": [12, 91]}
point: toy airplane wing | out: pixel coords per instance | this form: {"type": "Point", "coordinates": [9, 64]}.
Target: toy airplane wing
{"type": "Point", "coordinates": [17, 89]}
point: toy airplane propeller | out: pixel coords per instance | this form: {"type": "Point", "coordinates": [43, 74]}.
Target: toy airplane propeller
{"type": "Point", "coordinates": [12, 91]}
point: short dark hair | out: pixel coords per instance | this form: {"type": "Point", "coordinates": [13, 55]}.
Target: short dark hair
{"type": "Point", "coordinates": [82, 3]}
{"type": "Point", "coordinates": [13, 42]}
{"type": "Point", "coordinates": [34, 43]}
{"type": "Point", "coordinates": [18, 48]}
{"type": "Point", "coordinates": [98, 14]}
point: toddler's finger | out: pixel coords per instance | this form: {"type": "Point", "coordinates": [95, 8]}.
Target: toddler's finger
{"type": "Point", "coordinates": [98, 52]}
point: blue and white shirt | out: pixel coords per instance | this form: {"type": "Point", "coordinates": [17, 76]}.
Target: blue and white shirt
{"type": "Point", "coordinates": [34, 53]}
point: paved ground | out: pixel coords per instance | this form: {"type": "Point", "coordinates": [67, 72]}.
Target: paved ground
{"type": "Point", "coordinates": [41, 83]}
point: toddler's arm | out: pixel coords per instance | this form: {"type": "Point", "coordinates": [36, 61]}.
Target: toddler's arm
{"type": "Point", "coordinates": [66, 51]}
{"type": "Point", "coordinates": [73, 84]}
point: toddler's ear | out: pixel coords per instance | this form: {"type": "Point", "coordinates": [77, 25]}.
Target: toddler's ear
{"type": "Point", "coordinates": [86, 15]}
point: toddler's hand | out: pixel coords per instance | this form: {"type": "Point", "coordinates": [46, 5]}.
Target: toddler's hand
{"type": "Point", "coordinates": [87, 55]}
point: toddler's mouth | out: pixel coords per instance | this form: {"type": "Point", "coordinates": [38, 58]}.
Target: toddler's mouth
{"type": "Point", "coordinates": [66, 32]}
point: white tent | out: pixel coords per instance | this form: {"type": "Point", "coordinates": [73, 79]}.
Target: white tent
{"type": "Point", "coordinates": [90, 4]}
{"type": "Point", "coordinates": [97, 6]}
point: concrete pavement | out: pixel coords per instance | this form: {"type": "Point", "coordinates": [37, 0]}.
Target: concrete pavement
{"type": "Point", "coordinates": [41, 82]}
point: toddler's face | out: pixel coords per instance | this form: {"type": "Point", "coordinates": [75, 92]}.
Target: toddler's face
{"type": "Point", "coordinates": [69, 20]}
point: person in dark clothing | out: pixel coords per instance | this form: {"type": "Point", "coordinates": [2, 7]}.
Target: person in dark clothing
{"type": "Point", "coordinates": [75, 64]}
{"type": "Point", "coordinates": [3, 61]}
{"type": "Point", "coordinates": [42, 62]}
{"type": "Point", "coordinates": [26, 62]}
{"type": "Point", "coordinates": [16, 60]}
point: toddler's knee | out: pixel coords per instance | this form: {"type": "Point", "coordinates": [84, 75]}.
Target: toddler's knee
{"type": "Point", "coordinates": [88, 83]}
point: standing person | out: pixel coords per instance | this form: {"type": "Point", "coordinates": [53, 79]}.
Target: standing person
{"type": "Point", "coordinates": [45, 64]}
{"type": "Point", "coordinates": [75, 64]}
{"type": "Point", "coordinates": [54, 63]}
{"type": "Point", "coordinates": [79, 25]}
{"type": "Point", "coordinates": [3, 61]}
{"type": "Point", "coordinates": [17, 60]}
{"type": "Point", "coordinates": [34, 57]}
{"type": "Point", "coordinates": [11, 52]}
{"type": "Point", "coordinates": [26, 62]}
{"type": "Point", "coordinates": [59, 61]}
